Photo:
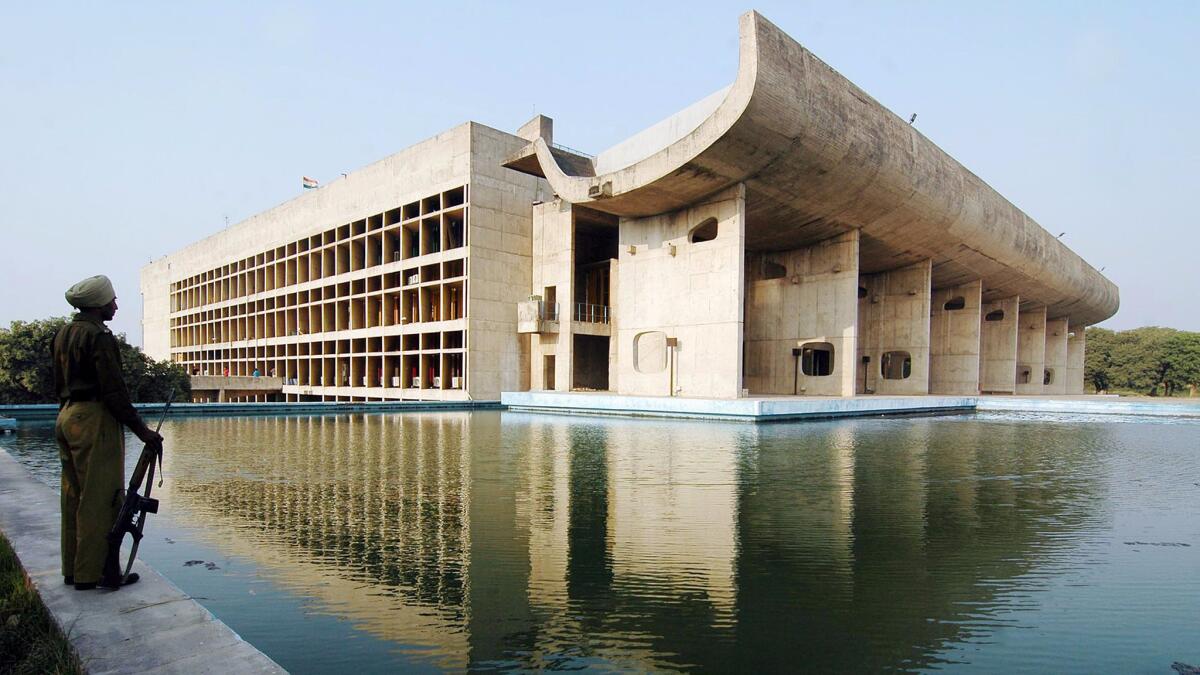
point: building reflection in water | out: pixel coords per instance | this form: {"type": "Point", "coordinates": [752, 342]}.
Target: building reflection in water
{"type": "Point", "coordinates": [512, 540]}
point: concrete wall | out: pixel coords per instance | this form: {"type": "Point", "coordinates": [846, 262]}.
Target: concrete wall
{"type": "Point", "coordinates": [954, 340]}
{"type": "Point", "coordinates": [496, 258]}
{"type": "Point", "coordinates": [814, 301]}
{"type": "Point", "coordinates": [998, 347]}
{"type": "Point", "coordinates": [894, 316]}
{"type": "Point", "coordinates": [500, 245]}
{"type": "Point", "coordinates": [553, 265]}
{"type": "Point", "coordinates": [1031, 350]}
{"type": "Point", "coordinates": [439, 163]}
{"type": "Point", "coordinates": [1056, 356]}
{"type": "Point", "coordinates": [672, 288]}
{"type": "Point", "coordinates": [1076, 349]}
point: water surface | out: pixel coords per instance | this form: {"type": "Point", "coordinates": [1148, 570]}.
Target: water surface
{"type": "Point", "coordinates": [499, 540]}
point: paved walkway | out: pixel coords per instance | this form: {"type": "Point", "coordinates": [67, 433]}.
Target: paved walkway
{"type": "Point", "coordinates": [150, 627]}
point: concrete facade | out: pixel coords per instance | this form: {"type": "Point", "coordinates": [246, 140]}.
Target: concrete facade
{"type": "Point", "coordinates": [680, 304]}
{"type": "Point", "coordinates": [874, 263]}
{"type": "Point", "coordinates": [998, 346]}
{"type": "Point", "coordinates": [955, 342]}
{"type": "Point", "coordinates": [397, 281]}
{"type": "Point", "coordinates": [786, 235]}
{"type": "Point", "coordinates": [796, 300]}
{"type": "Point", "coordinates": [1031, 350]}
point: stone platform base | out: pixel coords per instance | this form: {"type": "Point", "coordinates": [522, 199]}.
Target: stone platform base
{"type": "Point", "coordinates": [772, 408]}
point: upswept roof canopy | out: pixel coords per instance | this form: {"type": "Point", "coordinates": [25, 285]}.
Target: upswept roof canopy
{"type": "Point", "coordinates": [819, 157]}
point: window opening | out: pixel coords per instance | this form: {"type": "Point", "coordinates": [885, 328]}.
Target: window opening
{"type": "Point", "coordinates": [955, 303]}
{"type": "Point", "coordinates": [773, 270]}
{"type": "Point", "coordinates": [895, 365]}
{"type": "Point", "coordinates": [705, 231]}
{"type": "Point", "coordinates": [816, 359]}
{"type": "Point", "coordinates": [994, 315]}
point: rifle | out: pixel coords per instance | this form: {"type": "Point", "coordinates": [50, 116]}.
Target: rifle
{"type": "Point", "coordinates": [132, 517]}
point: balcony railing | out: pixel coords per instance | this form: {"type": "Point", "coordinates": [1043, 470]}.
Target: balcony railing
{"type": "Point", "coordinates": [548, 311]}
{"type": "Point", "coordinates": [590, 313]}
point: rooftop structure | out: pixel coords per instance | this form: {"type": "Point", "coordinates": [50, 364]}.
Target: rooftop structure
{"type": "Point", "coordinates": [786, 235]}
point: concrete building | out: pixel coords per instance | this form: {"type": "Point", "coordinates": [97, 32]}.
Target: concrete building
{"type": "Point", "coordinates": [786, 235]}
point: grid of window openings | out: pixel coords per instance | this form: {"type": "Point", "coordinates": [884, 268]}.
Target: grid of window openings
{"type": "Point", "coordinates": [378, 304]}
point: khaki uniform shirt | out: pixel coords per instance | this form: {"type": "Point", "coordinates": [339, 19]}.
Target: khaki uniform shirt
{"type": "Point", "coordinates": [87, 367]}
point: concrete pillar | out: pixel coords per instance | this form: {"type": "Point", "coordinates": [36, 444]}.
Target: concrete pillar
{"type": "Point", "coordinates": [954, 344]}
{"type": "Point", "coordinates": [893, 326]}
{"type": "Point", "coordinates": [802, 299]}
{"type": "Point", "coordinates": [1031, 350]}
{"type": "Point", "coordinates": [553, 267]}
{"type": "Point", "coordinates": [679, 312]}
{"type": "Point", "coordinates": [1055, 364]}
{"type": "Point", "coordinates": [1076, 351]}
{"type": "Point", "coordinates": [998, 346]}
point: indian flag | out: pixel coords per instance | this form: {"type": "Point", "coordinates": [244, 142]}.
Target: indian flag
{"type": "Point", "coordinates": [310, 183]}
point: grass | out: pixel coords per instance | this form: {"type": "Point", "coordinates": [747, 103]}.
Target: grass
{"type": "Point", "coordinates": [29, 640]}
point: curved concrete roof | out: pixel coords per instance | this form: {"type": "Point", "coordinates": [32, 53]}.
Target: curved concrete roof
{"type": "Point", "coordinates": [818, 157]}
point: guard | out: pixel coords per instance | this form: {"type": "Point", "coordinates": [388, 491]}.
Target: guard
{"type": "Point", "coordinates": [93, 405]}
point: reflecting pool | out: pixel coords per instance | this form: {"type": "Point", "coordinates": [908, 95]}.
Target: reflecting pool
{"type": "Point", "coordinates": [500, 540]}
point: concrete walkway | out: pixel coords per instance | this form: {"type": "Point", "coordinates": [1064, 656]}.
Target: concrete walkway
{"type": "Point", "coordinates": [150, 627]}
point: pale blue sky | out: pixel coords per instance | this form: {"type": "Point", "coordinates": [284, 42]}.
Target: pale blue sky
{"type": "Point", "coordinates": [128, 130]}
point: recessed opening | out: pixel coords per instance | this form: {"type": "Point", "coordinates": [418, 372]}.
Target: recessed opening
{"type": "Point", "coordinates": [994, 315]}
{"type": "Point", "coordinates": [816, 359]}
{"type": "Point", "coordinates": [895, 365]}
{"type": "Point", "coordinates": [773, 270]}
{"type": "Point", "coordinates": [862, 292]}
{"type": "Point", "coordinates": [1048, 376]}
{"type": "Point", "coordinates": [548, 372]}
{"type": "Point", "coordinates": [1024, 374]}
{"type": "Point", "coordinates": [955, 303]}
{"type": "Point", "coordinates": [705, 231]}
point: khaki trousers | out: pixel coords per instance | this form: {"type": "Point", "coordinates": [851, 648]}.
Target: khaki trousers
{"type": "Point", "coordinates": [91, 445]}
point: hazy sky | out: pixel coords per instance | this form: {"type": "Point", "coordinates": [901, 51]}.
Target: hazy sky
{"type": "Point", "coordinates": [128, 130]}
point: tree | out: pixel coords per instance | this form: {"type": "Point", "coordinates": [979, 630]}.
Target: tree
{"type": "Point", "coordinates": [25, 372]}
{"type": "Point", "coordinates": [1097, 361]}
{"type": "Point", "coordinates": [27, 376]}
{"type": "Point", "coordinates": [1183, 360]}
{"type": "Point", "coordinates": [1139, 357]}
{"type": "Point", "coordinates": [1151, 359]}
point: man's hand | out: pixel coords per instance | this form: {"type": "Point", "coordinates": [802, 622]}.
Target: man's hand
{"type": "Point", "coordinates": [151, 438]}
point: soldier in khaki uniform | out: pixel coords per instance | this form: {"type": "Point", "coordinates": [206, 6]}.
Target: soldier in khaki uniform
{"type": "Point", "coordinates": [93, 404]}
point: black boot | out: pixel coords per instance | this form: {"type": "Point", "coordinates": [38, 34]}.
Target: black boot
{"type": "Point", "coordinates": [116, 582]}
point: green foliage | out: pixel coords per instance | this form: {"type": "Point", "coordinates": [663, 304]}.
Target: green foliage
{"type": "Point", "coordinates": [1153, 360]}
{"type": "Point", "coordinates": [29, 640]}
{"type": "Point", "coordinates": [27, 375]}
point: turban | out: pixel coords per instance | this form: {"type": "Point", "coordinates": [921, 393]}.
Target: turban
{"type": "Point", "coordinates": [94, 291]}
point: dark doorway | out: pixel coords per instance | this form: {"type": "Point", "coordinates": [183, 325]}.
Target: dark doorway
{"type": "Point", "coordinates": [548, 373]}
{"type": "Point", "coordinates": [590, 369]}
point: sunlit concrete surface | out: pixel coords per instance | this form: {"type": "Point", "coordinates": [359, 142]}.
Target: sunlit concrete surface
{"type": "Point", "coordinates": [151, 626]}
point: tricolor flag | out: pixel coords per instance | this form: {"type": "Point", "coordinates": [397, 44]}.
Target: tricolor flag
{"type": "Point", "coordinates": [310, 183]}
